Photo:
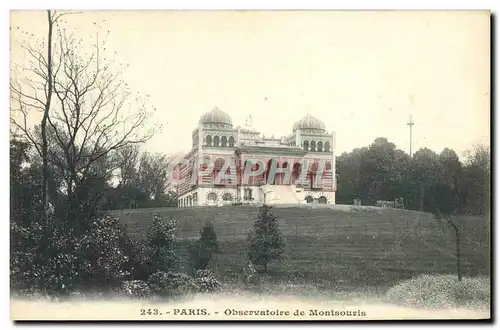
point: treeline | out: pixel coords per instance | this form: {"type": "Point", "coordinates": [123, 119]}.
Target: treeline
{"type": "Point", "coordinates": [123, 179]}
{"type": "Point", "coordinates": [427, 181]}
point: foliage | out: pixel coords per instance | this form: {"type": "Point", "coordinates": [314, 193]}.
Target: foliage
{"type": "Point", "coordinates": [426, 181]}
{"type": "Point", "coordinates": [136, 289]}
{"type": "Point", "coordinates": [199, 255]}
{"type": "Point", "coordinates": [171, 284]}
{"type": "Point", "coordinates": [161, 242]}
{"type": "Point", "coordinates": [250, 275]}
{"type": "Point", "coordinates": [62, 260]}
{"type": "Point", "coordinates": [102, 255]}
{"type": "Point", "coordinates": [202, 250]}
{"type": "Point", "coordinates": [209, 238]}
{"type": "Point", "coordinates": [266, 242]}
{"type": "Point", "coordinates": [442, 291]}
{"type": "Point", "coordinates": [206, 281]}
{"type": "Point", "coordinates": [139, 259]}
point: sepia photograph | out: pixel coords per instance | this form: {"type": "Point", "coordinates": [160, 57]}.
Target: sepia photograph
{"type": "Point", "coordinates": [250, 165]}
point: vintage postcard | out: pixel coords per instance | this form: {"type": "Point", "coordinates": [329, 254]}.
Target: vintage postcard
{"type": "Point", "coordinates": [250, 165]}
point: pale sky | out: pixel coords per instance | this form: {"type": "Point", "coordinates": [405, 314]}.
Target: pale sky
{"type": "Point", "coordinates": [361, 73]}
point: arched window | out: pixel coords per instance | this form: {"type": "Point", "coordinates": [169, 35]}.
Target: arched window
{"type": "Point", "coordinates": [313, 145]}
{"type": "Point", "coordinates": [219, 162]}
{"type": "Point", "coordinates": [216, 141]}
{"type": "Point", "coordinates": [211, 196]}
{"type": "Point", "coordinates": [328, 166]}
{"type": "Point", "coordinates": [327, 146]}
{"type": "Point", "coordinates": [231, 142]}
{"type": "Point", "coordinates": [208, 140]}
{"type": "Point", "coordinates": [223, 141]}
{"type": "Point", "coordinates": [309, 199]}
{"type": "Point", "coordinates": [320, 146]}
{"type": "Point", "coordinates": [227, 197]}
{"type": "Point", "coordinates": [322, 200]}
{"type": "Point", "coordinates": [306, 145]}
{"type": "Point", "coordinates": [296, 168]}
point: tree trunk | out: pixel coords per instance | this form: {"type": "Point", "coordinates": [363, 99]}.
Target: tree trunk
{"type": "Point", "coordinates": [421, 197]}
{"type": "Point", "coordinates": [459, 272]}
{"type": "Point", "coordinates": [45, 167]}
{"type": "Point", "coordinates": [72, 218]}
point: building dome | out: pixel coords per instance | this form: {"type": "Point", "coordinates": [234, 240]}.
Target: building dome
{"type": "Point", "coordinates": [309, 122]}
{"type": "Point", "coordinates": [216, 117]}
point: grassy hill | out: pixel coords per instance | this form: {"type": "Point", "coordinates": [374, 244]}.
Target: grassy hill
{"type": "Point", "coordinates": [334, 246]}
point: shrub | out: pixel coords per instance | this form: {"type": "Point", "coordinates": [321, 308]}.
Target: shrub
{"type": "Point", "coordinates": [43, 261]}
{"type": "Point", "coordinates": [171, 284]}
{"type": "Point", "coordinates": [139, 261]}
{"type": "Point", "coordinates": [161, 243]}
{"type": "Point", "coordinates": [209, 238]}
{"type": "Point", "coordinates": [101, 250]}
{"type": "Point", "coordinates": [199, 255]}
{"type": "Point", "coordinates": [202, 250]}
{"type": "Point", "coordinates": [206, 281]}
{"type": "Point", "coordinates": [136, 289]}
{"type": "Point", "coordinates": [265, 243]}
{"type": "Point", "coordinates": [250, 275]}
{"type": "Point", "coordinates": [441, 291]}
{"type": "Point", "coordinates": [62, 261]}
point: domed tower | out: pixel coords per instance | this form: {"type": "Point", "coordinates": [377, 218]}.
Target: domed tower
{"type": "Point", "coordinates": [217, 129]}
{"type": "Point", "coordinates": [311, 134]}
{"type": "Point", "coordinates": [216, 119]}
{"type": "Point", "coordinates": [309, 124]}
{"type": "Point", "coordinates": [319, 145]}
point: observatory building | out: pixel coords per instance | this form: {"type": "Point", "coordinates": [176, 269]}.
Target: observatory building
{"type": "Point", "coordinates": [238, 165]}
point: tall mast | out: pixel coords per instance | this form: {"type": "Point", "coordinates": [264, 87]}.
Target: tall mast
{"type": "Point", "coordinates": [410, 124]}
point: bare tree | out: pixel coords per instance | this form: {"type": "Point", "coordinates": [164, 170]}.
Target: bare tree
{"type": "Point", "coordinates": [93, 114]}
{"type": "Point", "coordinates": [41, 66]}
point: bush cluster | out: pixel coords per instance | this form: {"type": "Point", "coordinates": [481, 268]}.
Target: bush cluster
{"type": "Point", "coordinates": [102, 258]}
{"type": "Point", "coordinates": [441, 291]}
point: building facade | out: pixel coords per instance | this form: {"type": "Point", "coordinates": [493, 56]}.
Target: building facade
{"type": "Point", "coordinates": [228, 165]}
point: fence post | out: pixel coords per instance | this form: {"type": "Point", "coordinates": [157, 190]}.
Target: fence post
{"type": "Point", "coordinates": [296, 231]}
{"type": "Point", "coordinates": [334, 230]}
{"type": "Point", "coordinates": [349, 229]}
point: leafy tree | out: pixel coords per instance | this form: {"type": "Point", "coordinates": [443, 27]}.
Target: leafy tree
{"type": "Point", "coordinates": [265, 242]}
{"type": "Point", "coordinates": [446, 195]}
{"type": "Point", "coordinates": [209, 238]}
{"type": "Point", "coordinates": [153, 176]}
{"type": "Point", "coordinates": [161, 243]}
{"type": "Point", "coordinates": [202, 250]}
{"type": "Point", "coordinates": [476, 181]}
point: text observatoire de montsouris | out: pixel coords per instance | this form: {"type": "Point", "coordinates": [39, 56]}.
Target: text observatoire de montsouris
{"type": "Point", "coordinates": [278, 312]}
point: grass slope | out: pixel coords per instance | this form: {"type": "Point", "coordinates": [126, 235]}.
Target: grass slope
{"type": "Point", "coordinates": [330, 246]}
